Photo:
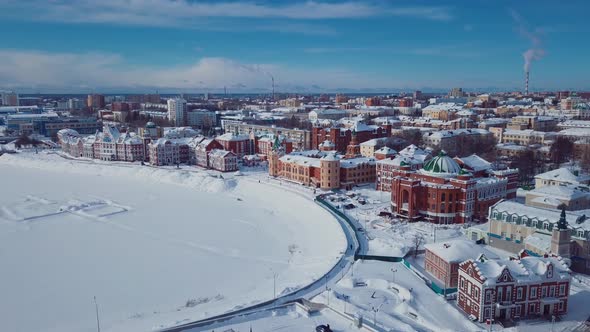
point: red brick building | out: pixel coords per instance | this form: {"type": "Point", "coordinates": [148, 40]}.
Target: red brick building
{"type": "Point", "coordinates": [265, 144]}
{"type": "Point", "coordinates": [528, 287]}
{"type": "Point", "coordinates": [241, 145]}
{"type": "Point", "coordinates": [442, 259]}
{"type": "Point", "coordinates": [202, 151]}
{"type": "Point", "coordinates": [443, 192]}
{"type": "Point", "coordinates": [341, 137]}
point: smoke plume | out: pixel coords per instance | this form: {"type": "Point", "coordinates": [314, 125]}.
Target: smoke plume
{"type": "Point", "coordinates": [535, 50]}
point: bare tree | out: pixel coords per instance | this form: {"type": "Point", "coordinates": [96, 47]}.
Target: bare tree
{"type": "Point", "coordinates": [417, 241]}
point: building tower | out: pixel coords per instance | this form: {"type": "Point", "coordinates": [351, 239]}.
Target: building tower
{"type": "Point", "coordinates": [561, 237]}
{"type": "Point", "coordinates": [177, 111]}
{"type": "Point", "coordinates": [329, 172]}
{"type": "Point", "coordinates": [274, 167]}
{"type": "Point", "coordinates": [353, 149]}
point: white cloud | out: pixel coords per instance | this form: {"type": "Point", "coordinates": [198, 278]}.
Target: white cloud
{"type": "Point", "coordinates": [184, 13]}
{"type": "Point", "coordinates": [96, 71]}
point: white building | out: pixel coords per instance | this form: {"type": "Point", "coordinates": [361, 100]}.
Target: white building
{"type": "Point", "coordinates": [201, 118]}
{"type": "Point", "coordinates": [177, 111]}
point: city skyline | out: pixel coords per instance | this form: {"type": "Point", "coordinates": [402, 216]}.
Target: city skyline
{"type": "Point", "coordinates": [307, 46]}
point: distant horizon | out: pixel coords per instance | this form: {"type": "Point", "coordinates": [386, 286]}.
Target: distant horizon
{"type": "Point", "coordinates": [220, 92]}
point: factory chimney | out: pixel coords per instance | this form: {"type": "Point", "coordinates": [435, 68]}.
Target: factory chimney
{"type": "Point", "coordinates": [526, 84]}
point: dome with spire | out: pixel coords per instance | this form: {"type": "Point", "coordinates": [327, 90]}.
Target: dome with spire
{"type": "Point", "coordinates": [441, 166]}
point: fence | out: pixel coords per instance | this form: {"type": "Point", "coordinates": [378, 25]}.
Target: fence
{"type": "Point", "coordinates": [435, 288]}
{"type": "Point", "coordinates": [357, 254]}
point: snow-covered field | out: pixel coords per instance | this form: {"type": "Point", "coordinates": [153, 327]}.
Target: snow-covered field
{"type": "Point", "coordinates": [155, 246]}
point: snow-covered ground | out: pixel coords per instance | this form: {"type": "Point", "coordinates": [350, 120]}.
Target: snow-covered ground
{"type": "Point", "coordinates": [156, 246]}
{"type": "Point", "coordinates": [389, 236]}
{"type": "Point", "coordinates": [396, 299]}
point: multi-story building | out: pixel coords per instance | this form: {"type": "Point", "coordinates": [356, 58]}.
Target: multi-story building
{"type": "Point", "coordinates": [443, 192]}
{"type": "Point", "coordinates": [151, 130]}
{"type": "Point", "coordinates": [321, 169]}
{"type": "Point", "coordinates": [241, 145]}
{"type": "Point", "coordinates": [515, 226]}
{"type": "Point", "coordinates": [9, 98]}
{"type": "Point", "coordinates": [552, 197]}
{"type": "Point", "coordinates": [341, 136]}
{"type": "Point", "coordinates": [442, 259]}
{"type": "Point", "coordinates": [527, 137]}
{"type": "Point", "coordinates": [223, 161]}
{"type": "Point", "coordinates": [300, 138]}
{"type": "Point", "coordinates": [177, 111]}
{"type": "Point", "coordinates": [164, 151]}
{"type": "Point", "coordinates": [108, 145]}
{"type": "Point", "coordinates": [328, 113]}
{"type": "Point", "coordinates": [561, 177]}
{"type": "Point", "coordinates": [147, 98]}
{"type": "Point", "coordinates": [369, 147]}
{"type": "Point", "coordinates": [536, 123]}
{"type": "Point", "coordinates": [201, 118]}
{"type": "Point", "coordinates": [411, 157]}
{"type": "Point", "coordinates": [527, 287]}
{"type": "Point", "coordinates": [266, 143]}
{"type": "Point", "coordinates": [202, 151]}
{"type": "Point", "coordinates": [453, 141]}
{"type": "Point", "coordinates": [95, 101]}
{"type": "Point", "coordinates": [442, 111]}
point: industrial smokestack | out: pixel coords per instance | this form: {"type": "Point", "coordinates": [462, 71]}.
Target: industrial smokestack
{"type": "Point", "coordinates": [526, 84]}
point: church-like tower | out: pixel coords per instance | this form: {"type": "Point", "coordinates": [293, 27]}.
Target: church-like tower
{"type": "Point", "coordinates": [561, 237]}
{"type": "Point", "coordinates": [274, 164]}
{"type": "Point", "coordinates": [353, 149]}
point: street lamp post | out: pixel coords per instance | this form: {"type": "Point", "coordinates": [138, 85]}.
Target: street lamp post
{"type": "Point", "coordinates": [375, 311]}
{"type": "Point", "coordinates": [274, 285]}
{"type": "Point", "coordinates": [393, 271]}
{"type": "Point", "coordinates": [97, 319]}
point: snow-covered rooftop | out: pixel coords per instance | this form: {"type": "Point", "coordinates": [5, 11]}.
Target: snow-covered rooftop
{"type": "Point", "coordinates": [458, 251]}
{"type": "Point", "coordinates": [562, 175]}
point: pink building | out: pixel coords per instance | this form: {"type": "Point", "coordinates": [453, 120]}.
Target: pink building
{"type": "Point", "coordinates": [223, 161]}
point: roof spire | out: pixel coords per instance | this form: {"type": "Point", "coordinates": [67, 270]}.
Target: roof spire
{"type": "Point", "coordinates": [562, 224]}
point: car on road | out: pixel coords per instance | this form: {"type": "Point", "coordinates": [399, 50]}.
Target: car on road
{"type": "Point", "coordinates": [323, 328]}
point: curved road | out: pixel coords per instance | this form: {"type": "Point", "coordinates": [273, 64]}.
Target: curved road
{"type": "Point", "coordinates": [308, 292]}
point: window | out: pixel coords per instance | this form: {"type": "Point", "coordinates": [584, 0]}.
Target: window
{"type": "Point", "coordinates": [486, 313]}
{"type": "Point", "coordinates": [543, 291]}
{"type": "Point", "coordinates": [462, 283]}
{"type": "Point", "coordinates": [488, 296]}
{"type": "Point", "coordinates": [560, 306]}
{"type": "Point", "coordinates": [545, 225]}
{"type": "Point", "coordinates": [562, 290]}
{"type": "Point", "coordinates": [519, 293]}
{"type": "Point", "coordinates": [552, 291]}
{"type": "Point", "coordinates": [533, 292]}
{"type": "Point", "coordinates": [518, 311]}
{"type": "Point", "coordinates": [514, 218]}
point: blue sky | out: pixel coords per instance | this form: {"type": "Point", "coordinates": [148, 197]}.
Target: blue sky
{"type": "Point", "coordinates": [189, 45]}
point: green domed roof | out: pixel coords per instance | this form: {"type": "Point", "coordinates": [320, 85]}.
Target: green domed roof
{"type": "Point", "coordinates": [442, 165]}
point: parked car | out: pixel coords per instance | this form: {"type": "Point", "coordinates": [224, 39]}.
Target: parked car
{"type": "Point", "coordinates": [323, 328]}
